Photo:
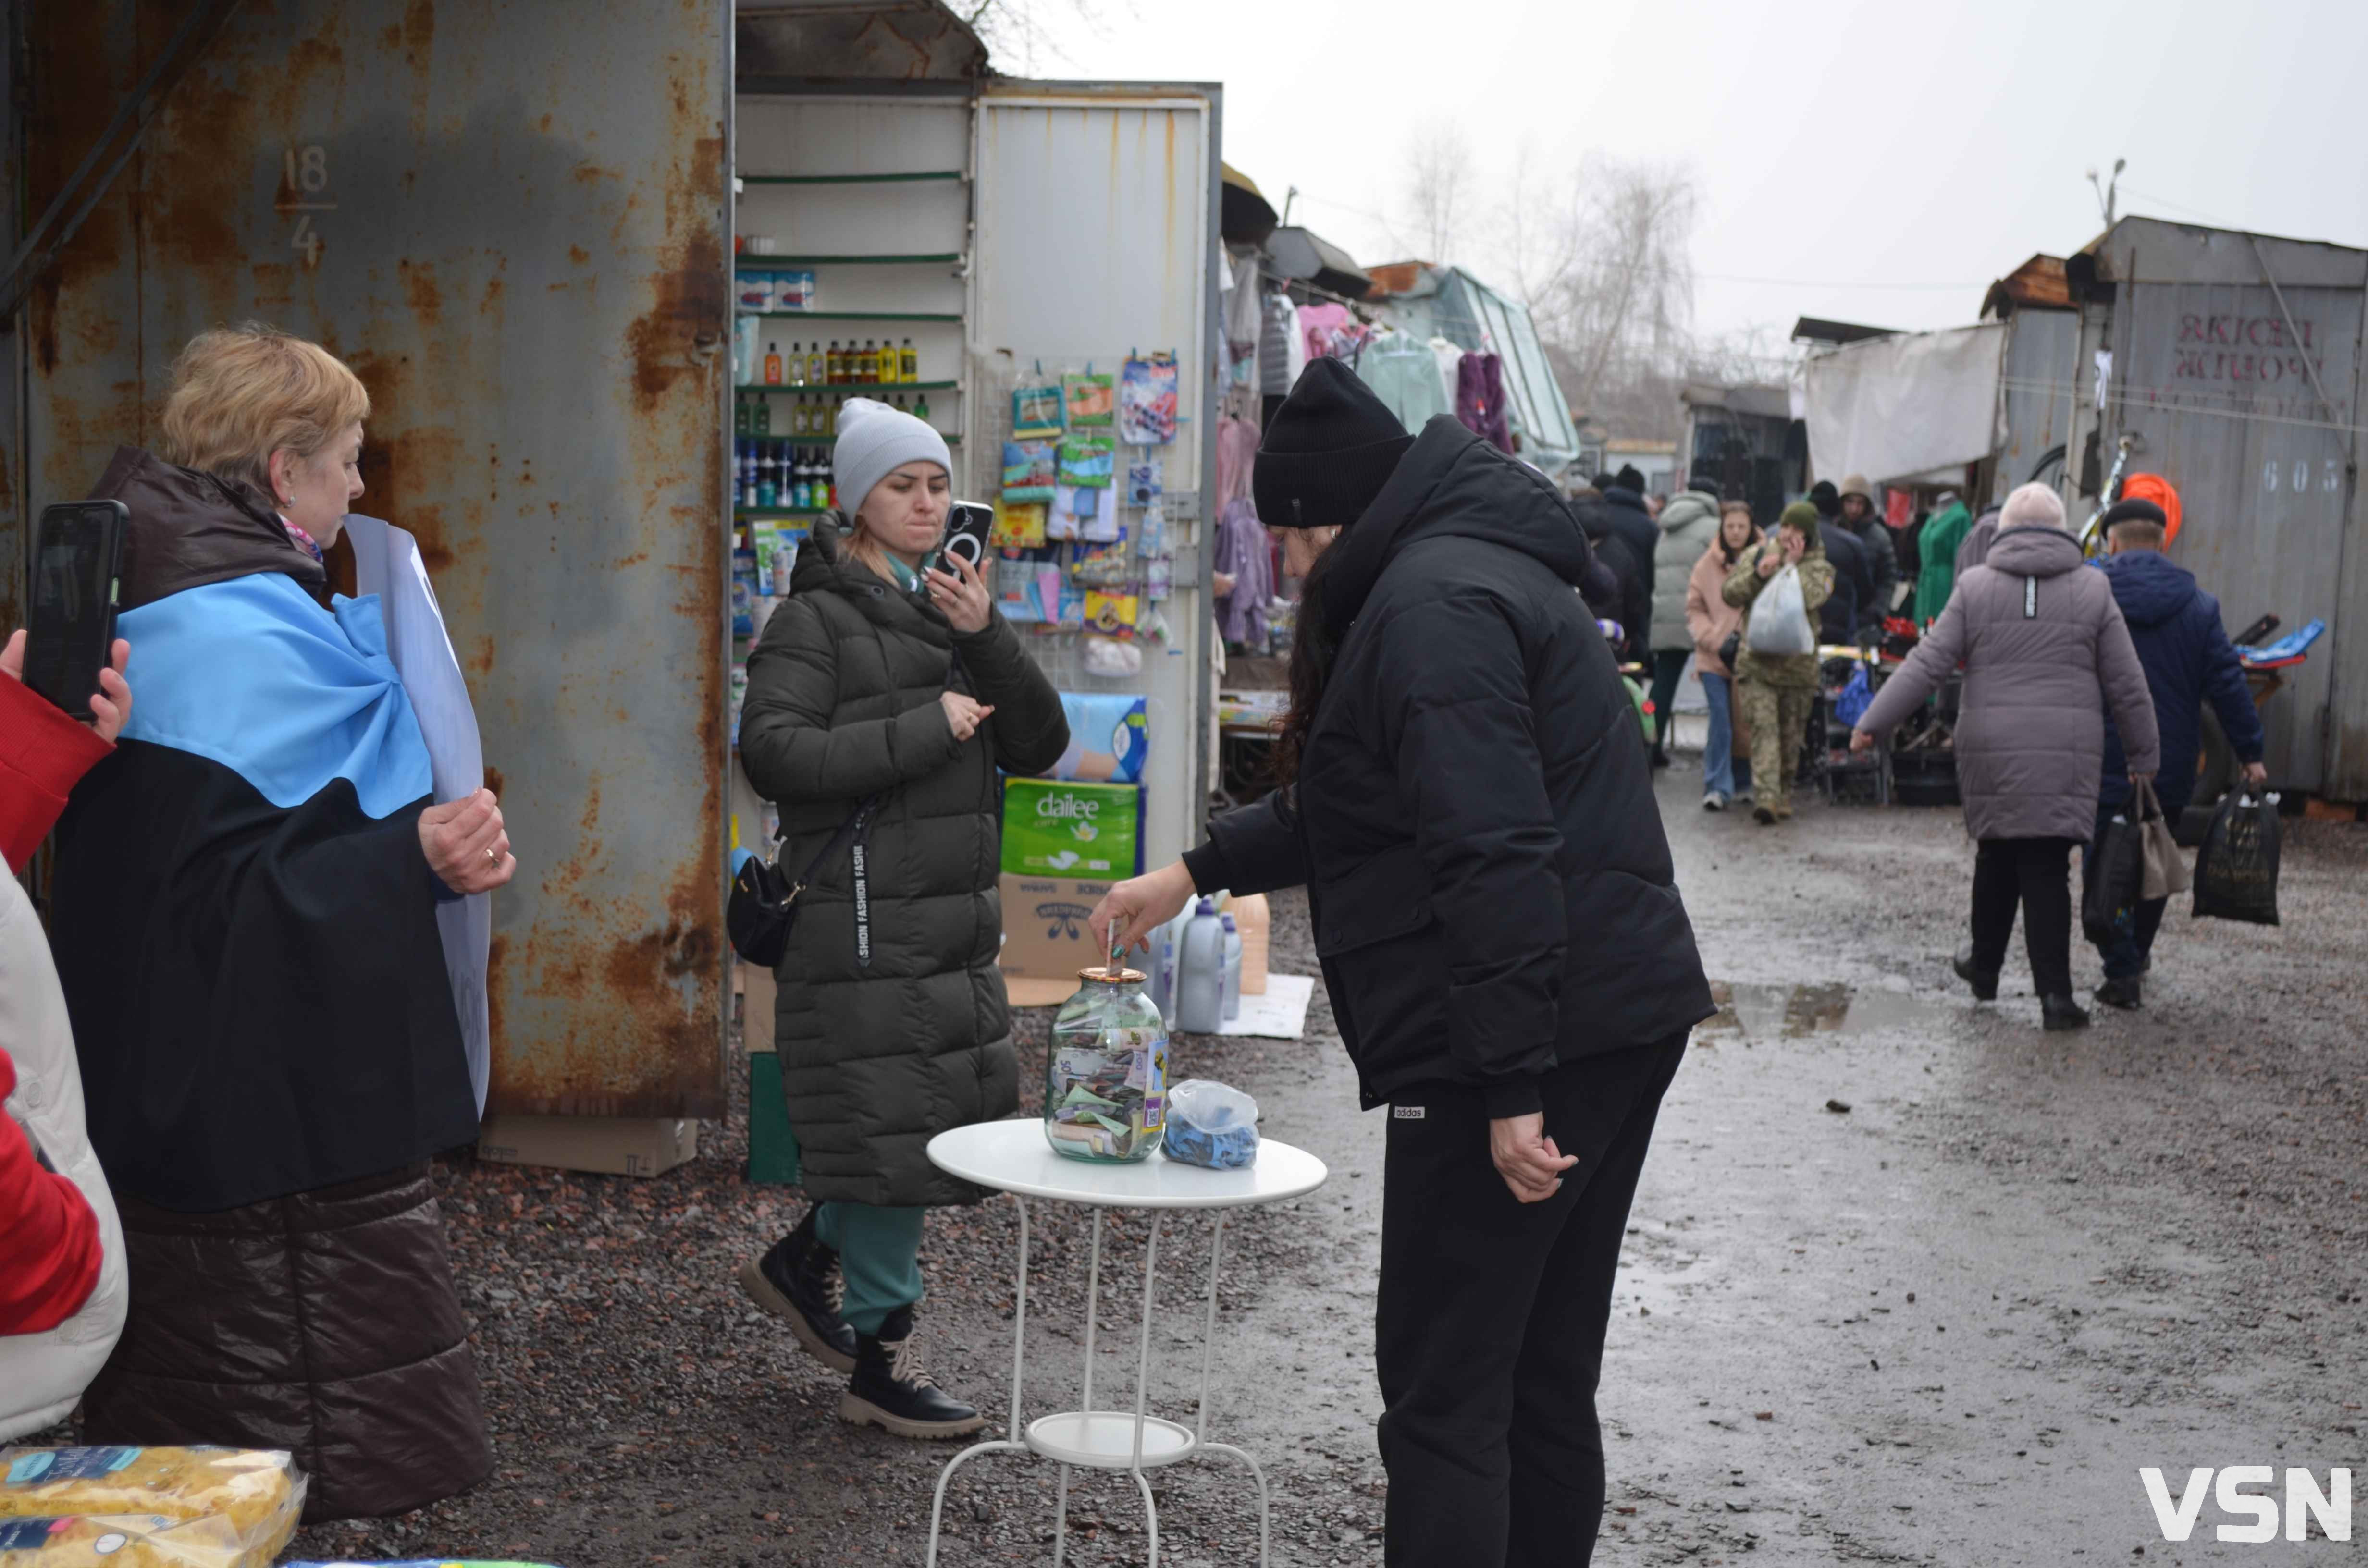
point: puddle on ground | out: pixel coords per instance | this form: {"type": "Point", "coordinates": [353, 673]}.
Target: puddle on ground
{"type": "Point", "coordinates": [1797, 1012]}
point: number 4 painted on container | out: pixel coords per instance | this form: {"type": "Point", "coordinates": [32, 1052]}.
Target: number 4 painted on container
{"type": "Point", "coordinates": [306, 173]}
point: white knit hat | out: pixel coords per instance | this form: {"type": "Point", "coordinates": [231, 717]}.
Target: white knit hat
{"type": "Point", "coordinates": [874, 440]}
{"type": "Point", "coordinates": [2033, 507]}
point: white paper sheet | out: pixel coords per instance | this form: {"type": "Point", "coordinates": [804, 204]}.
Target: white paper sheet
{"type": "Point", "coordinates": [386, 562]}
{"type": "Point", "coordinates": [1281, 1014]}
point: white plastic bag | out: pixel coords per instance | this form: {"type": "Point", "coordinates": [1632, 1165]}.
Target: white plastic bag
{"type": "Point", "coordinates": [1780, 618]}
{"type": "Point", "coordinates": [1212, 1124]}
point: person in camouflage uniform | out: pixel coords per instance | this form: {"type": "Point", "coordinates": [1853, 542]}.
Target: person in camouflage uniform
{"type": "Point", "coordinates": [1777, 689]}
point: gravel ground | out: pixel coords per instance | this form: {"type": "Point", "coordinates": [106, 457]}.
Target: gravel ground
{"type": "Point", "coordinates": [1943, 1326]}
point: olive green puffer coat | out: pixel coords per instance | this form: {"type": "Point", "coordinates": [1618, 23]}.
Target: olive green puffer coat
{"type": "Point", "coordinates": [842, 702]}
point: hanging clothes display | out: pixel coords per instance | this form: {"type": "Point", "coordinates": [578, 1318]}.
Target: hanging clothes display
{"type": "Point", "coordinates": [1405, 375]}
{"type": "Point", "coordinates": [1449, 359]}
{"type": "Point", "coordinates": [1237, 445]}
{"type": "Point", "coordinates": [1283, 350]}
{"type": "Point", "coordinates": [1242, 316]}
{"type": "Point", "coordinates": [1244, 553]}
{"type": "Point", "coordinates": [1480, 400]}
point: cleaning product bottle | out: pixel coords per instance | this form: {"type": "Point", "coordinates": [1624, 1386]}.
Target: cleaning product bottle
{"type": "Point", "coordinates": [921, 408]}
{"type": "Point", "coordinates": [1232, 1009]}
{"type": "Point", "coordinates": [1201, 973]}
{"type": "Point", "coordinates": [817, 366]}
{"type": "Point", "coordinates": [760, 423]}
{"type": "Point", "coordinates": [796, 369]}
{"type": "Point", "coordinates": [908, 364]}
{"type": "Point", "coordinates": [744, 418]}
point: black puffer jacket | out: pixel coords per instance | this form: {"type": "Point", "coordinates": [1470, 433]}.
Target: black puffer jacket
{"type": "Point", "coordinates": [1492, 889]}
{"type": "Point", "coordinates": [843, 688]}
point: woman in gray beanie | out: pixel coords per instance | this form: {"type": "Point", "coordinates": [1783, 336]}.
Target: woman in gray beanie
{"type": "Point", "coordinates": [884, 697]}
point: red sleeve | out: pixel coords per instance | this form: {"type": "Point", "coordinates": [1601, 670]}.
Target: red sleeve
{"type": "Point", "coordinates": [42, 754]}
{"type": "Point", "coordinates": [49, 1237]}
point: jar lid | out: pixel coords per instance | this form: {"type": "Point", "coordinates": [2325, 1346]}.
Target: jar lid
{"type": "Point", "coordinates": [1113, 977]}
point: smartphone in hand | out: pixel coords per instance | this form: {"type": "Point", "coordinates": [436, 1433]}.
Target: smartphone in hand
{"type": "Point", "coordinates": [77, 563]}
{"type": "Point", "coordinates": [966, 535]}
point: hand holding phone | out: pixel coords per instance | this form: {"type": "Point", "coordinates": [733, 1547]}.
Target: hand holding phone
{"type": "Point", "coordinates": [110, 708]}
{"type": "Point", "coordinates": [77, 559]}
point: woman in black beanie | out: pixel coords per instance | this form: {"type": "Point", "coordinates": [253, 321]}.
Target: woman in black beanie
{"type": "Point", "coordinates": [1467, 800]}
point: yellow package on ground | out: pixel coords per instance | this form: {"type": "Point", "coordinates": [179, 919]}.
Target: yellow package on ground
{"type": "Point", "coordinates": [126, 1540]}
{"type": "Point", "coordinates": [256, 1494]}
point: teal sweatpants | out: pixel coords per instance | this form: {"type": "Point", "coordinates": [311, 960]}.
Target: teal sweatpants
{"type": "Point", "coordinates": [879, 1251]}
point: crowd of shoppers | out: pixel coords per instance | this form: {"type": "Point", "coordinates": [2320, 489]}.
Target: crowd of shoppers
{"type": "Point", "coordinates": [1512, 968]}
{"type": "Point", "coordinates": [2046, 653]}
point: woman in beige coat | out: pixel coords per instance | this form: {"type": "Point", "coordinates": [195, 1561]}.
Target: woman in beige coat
{"type": "Point", "coordinates": [1708, 619]}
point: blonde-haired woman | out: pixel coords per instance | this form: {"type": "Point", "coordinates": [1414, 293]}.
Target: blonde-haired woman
{"type": "Point", "coordinates": [884, 697]}
{"type": "Point", "coordinates": [245, 928]}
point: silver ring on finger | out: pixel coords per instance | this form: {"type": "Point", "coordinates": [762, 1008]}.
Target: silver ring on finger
{"type": "Point", "coordinates": [493, 855]}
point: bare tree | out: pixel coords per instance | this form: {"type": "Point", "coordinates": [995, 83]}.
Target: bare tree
{"type": "Point", "coordinates": [1028, 31]}
{"type": "Point", "coordinates": [1440, 190]}
{"type": "Point", "coordinates": [1611, 279]}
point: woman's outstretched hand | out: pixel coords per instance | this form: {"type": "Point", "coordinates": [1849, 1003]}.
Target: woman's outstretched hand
{"type": "Point", "coordinates": [1132, 910]}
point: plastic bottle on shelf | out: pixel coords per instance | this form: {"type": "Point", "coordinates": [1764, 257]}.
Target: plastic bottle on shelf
{"type": "Point", "coordinates": [802, 485]}
{"type": "Point", "coordinates": [908, 364]}
{"type": "Point", "coordinates": [768, 479]}
{"type": "Point", "coordinates": [837, 409]}
{"type": "Point", "coordinates": [772, 364]}
{"type": "Point", "coordinates": [748, 473]}
{"type": "Point", "coordinates": [921, 406]}
{"type": "Point", "coordinates": [817, 367]}
{"type": "Point", "coordinates": [796, 367]}
{"type": "Point", "coordinates": [837, 363]}
{"type": "Point", "coordinates": [744, 418]}
{"type": "Point", "coordinates": [1201, 973]}
{"type": "Point", "coordinates": [826, 482]}
{"type": "Point", "coordinates": [760, 421]}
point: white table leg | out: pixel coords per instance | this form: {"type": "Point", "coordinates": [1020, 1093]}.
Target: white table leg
{"type": "Point", "coordinates": [1255, 1471]}
{"type": "Point", "coordinates": [937, 1508]}
{"type": "Point", "coordinates": [1019, 1369]}
{"type": "Point", "coordinates": [1142, 1357]}
{"type": "Point", "coordinates": [1061, 1519]}
{"type": "Point", "coordinates": [1152, 1510]}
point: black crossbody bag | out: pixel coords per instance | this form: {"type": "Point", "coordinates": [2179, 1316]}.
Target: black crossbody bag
{"type": "Point", "coordinates": [764, 909]}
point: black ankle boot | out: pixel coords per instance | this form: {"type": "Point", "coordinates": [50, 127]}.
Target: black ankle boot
{"type": "Point", "coordinates": [2123, 992]}
{"type": "Point", "coordinates": [798, 1280]}
{"type": "Point", "coordinates": [892, 1390]}
{"type": "Point", "coordinates": [1984, 981]}
{"type": "Point", "coordinates": [2061, 1013]}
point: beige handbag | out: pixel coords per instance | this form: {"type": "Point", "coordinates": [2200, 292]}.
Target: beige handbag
{"type": "Point", "coordinates": [2165, 868]}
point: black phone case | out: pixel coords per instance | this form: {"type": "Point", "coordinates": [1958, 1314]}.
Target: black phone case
{"type": "Point", "coordinates": [972, 521]}
{"type": "Point", "coordinates": [62, 659]}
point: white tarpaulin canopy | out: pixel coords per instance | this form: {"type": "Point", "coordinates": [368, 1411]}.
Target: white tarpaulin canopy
{"type": "Point", "coordinates": [1890, 407]}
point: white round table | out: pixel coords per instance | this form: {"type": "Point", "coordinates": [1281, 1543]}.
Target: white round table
{"type": "Point", "coordinates": [1013, 1157]}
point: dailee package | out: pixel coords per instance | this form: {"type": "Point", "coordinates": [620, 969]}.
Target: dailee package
{"type": "Point", "coordinates": [1059, 827]}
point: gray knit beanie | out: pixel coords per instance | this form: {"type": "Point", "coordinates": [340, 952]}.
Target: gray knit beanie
{"type": "Point", "coordinates": [874, 440]}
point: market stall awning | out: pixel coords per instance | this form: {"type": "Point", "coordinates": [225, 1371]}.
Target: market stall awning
{"type": "Point", "coordinates": [1246, 217]}
{"type": "Point", "coordinates": [1304, 256]}
{"type": "Point", "coordinates": [1896, 406]}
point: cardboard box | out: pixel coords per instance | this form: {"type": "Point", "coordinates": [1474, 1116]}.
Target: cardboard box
{"type": "Point", "coordinates": [1255, 921]}
{"type": "Point", "coordinates": [1058, 827]}
{"type": "Point", "coordinates": [1044, 934]}
{"type": "Point", "coordinates": [610, 1145]}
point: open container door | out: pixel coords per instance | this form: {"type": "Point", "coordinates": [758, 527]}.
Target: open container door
{"type": "Point", "coordinates": [511, 221]}
{"type": "Point", "coordinates": [1096, 237]}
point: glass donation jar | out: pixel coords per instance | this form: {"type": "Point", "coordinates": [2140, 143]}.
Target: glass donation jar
{"type": "Point", "coordinates": [1106, 1071]}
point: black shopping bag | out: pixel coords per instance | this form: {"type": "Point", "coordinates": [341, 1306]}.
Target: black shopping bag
{"type": "Point", "coordinates": [2116, 867]}
{"type": "Point", "coordinates": [2236, 869]}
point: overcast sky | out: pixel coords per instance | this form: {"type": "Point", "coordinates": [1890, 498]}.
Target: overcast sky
{"type": "Point", "coordinates": [1877, 163]}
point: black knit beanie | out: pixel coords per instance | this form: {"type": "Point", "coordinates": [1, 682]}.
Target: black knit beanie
{"type": "Point", "coordinates": [2133, 512]}
{"type": "Point", "coordinates": [1629, 478]}
{"type": "Point", "coordinates": [1328, 451]}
